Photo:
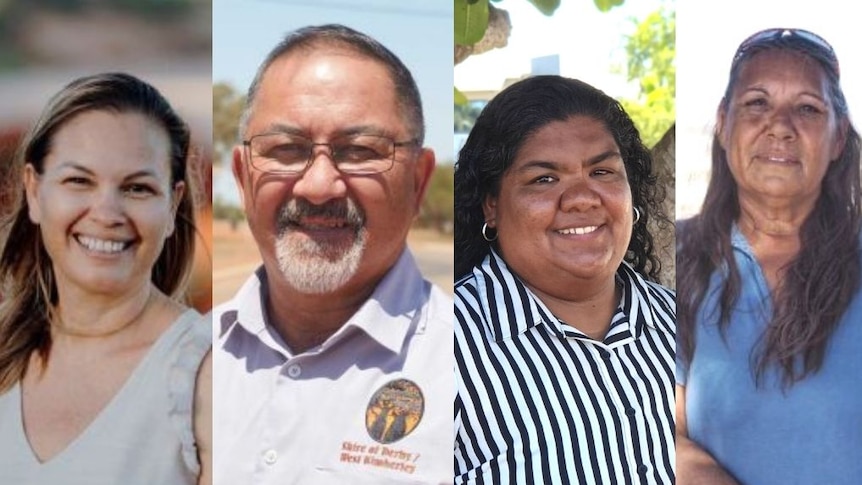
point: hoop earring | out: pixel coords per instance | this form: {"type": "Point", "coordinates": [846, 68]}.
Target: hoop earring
{"type": "Point", "coordinates": [485, 233]}
{"type": "Point", "coordinates": [637, 215]}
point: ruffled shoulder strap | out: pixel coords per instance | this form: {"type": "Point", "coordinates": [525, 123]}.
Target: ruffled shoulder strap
{"type": "Point", "coordinates": [193, 342]}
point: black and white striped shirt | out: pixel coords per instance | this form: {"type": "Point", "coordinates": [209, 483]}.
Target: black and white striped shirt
{"type": "Point", "coordinates": [539, 402]}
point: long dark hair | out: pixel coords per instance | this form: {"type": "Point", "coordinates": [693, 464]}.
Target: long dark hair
{"type": "Point", "coordinates": [29, 290]}
{"type": "Point", "coordinates": [818, 284]}
{"type": "Point", "coordinates": [510, 119]}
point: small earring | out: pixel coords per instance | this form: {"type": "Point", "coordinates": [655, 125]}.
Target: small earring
{"type": "Point", "coordinates": [485, 233]}
{"type": "Point", "coordinates": [637, 215]}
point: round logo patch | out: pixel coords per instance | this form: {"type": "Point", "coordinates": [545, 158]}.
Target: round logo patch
{"type": "Point", "coordinates": [394, 411]}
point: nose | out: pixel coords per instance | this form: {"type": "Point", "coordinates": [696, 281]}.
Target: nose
{"type": "Point", "coordinates": [781, 124]}
{"type": "Point", "coordinates": [107, 208]}
{"type": "Point", "coordinates": [321, 181]}
{"type": "Point", "coordinates": [579, 196]}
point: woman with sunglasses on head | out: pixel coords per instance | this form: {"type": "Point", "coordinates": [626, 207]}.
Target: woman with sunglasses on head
{"type": "Point", "coordinates": [770, 313]}
{"type": "Point", "coordinates": [102, 373]}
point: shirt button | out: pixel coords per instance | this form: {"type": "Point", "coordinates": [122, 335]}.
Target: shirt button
{"type": "Point", "coordinates": [643, 469]}
{"type": "Point", "coordinates": [270, 457]}
{"type": "Point", "coordinates": [630, 411]}
{"type": "Point", "coordinates": [294, 371]}
{"type": "Point", "coordinates": [605, 354]}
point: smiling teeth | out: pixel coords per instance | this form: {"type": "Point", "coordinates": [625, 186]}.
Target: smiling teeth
{"type": "Point", "coordinates": [101, 245]}
{"type": "Point", "coordinates": [324, 225]}
{"type": "Point", "coordinates": [578, 230]}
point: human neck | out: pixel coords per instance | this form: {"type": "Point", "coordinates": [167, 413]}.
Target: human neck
{"type": "Point", "coordinates": [772, 219]}
{"type": "Point", "coordinates": [305, 321]}
{"type": "Point", "coordinates": [590, 308]}
{"type": "Point", "coordinates": [99, 316]}
{"type": "Point", "coordinates": [773, 234]}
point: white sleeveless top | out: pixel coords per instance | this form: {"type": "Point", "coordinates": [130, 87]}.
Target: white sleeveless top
{"type": "Point", "coordinates": [143, 436]}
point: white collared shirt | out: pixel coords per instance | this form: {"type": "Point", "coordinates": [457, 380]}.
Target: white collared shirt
{"type": "Point", "coordinates": [372, 404]}
{"type": "Point", "coordinates": [541, 402]}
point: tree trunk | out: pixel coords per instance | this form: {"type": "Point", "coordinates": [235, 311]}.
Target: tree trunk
{"type": "Point", "coordinates": [496, 36]}
{"type": "Point", "coordinates": [664, 165]}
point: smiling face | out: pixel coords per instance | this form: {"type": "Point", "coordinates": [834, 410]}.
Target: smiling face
{"type": "Point", "coordinates": [564, 211]}
{"type": "Point", "coordinates": [780, 130]}
{"type": "Point", "coordinates": [104, 201]}
{"type": "Point", "coordinates": [321, 230]}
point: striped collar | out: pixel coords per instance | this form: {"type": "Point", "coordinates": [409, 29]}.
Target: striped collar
{"type": "Point", "coordinates": [509, 308]}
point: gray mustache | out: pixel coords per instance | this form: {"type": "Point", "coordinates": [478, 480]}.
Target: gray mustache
{"type": "Point", "coordinates": [296, 209]}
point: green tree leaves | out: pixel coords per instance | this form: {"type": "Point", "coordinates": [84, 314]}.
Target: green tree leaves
{"type": "Point", "coordinates": [471, 21]}
{"type": "Point", "coordinates": [471, 17]}
{"type": "Point", "coordinates": [651, 51]}
{"type": "Point", "coordinates": [437, 211]}
{"type": "Point", "coordinates": [228, 105]}
{"type": "Point", "coordinates": [605, 5]}
{"type": "Point", "coordinates": [548, 7]}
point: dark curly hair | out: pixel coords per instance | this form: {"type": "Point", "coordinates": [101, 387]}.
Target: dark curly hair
{"type": "Point", "coordinates": [820, 282]}
{"type": "Point", "coordinates": [508, 121]}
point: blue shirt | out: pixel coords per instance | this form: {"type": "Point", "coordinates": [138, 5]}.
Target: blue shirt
{"type": "Point", "coordinates": [810, 433]}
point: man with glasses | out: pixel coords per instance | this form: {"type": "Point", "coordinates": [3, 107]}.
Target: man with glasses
{"type": "Point", "coordinates": [334, 361]}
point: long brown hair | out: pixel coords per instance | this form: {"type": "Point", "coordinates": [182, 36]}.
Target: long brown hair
{"type": "Point", "coordinates": [818, 284]}
{"type": "Point", "coordinates": [29, 293]}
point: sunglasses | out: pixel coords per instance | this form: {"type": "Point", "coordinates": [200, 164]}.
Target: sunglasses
{"type": "Point", "coordinates": [781, 36]}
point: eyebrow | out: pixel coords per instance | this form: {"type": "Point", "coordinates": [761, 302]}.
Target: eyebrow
{"type": "Point", "coordinates": [761, 89]}
{"type": "Point", "coordinates": [341, 132]}
{"type": "Point", "coordinates": [549, 165]}
{"type": "Point", "coordinates": [281, 128]}
{"type": "Point", "coordinates": [82, 168]}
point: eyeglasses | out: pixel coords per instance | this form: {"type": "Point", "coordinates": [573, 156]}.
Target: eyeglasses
{"type": "Point", "coordinates": [772, 36]}
{"type": "Point", "coordinates": [289, 154]}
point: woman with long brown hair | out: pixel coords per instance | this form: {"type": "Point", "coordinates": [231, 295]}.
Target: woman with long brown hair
{"type": "Point", "coordinates": [101, 374]}
{"type": "Point", "coordinates": [770, 312]}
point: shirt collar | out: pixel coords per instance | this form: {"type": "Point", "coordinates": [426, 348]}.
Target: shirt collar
{"type": "Point", "coordinates": [248, 303]}
{"type": "Point", "coordinates": [385, 317]}
{"type": "Point", "coordinates": [740, 244]}
{"type": "Point", "coordinates": [637, 301]}
{"type": "Point", "coordinates": [510, 308]}
{"type": "Point", "coordinates": [395, 305]}
{"type": "Point", "coordinates": [738, 240]}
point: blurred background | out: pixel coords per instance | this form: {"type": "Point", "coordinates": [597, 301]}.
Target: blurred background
{"type": "Point", "coordinates": [46, 44]}
{"type": "Point", "coordinates": [418, 32]}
